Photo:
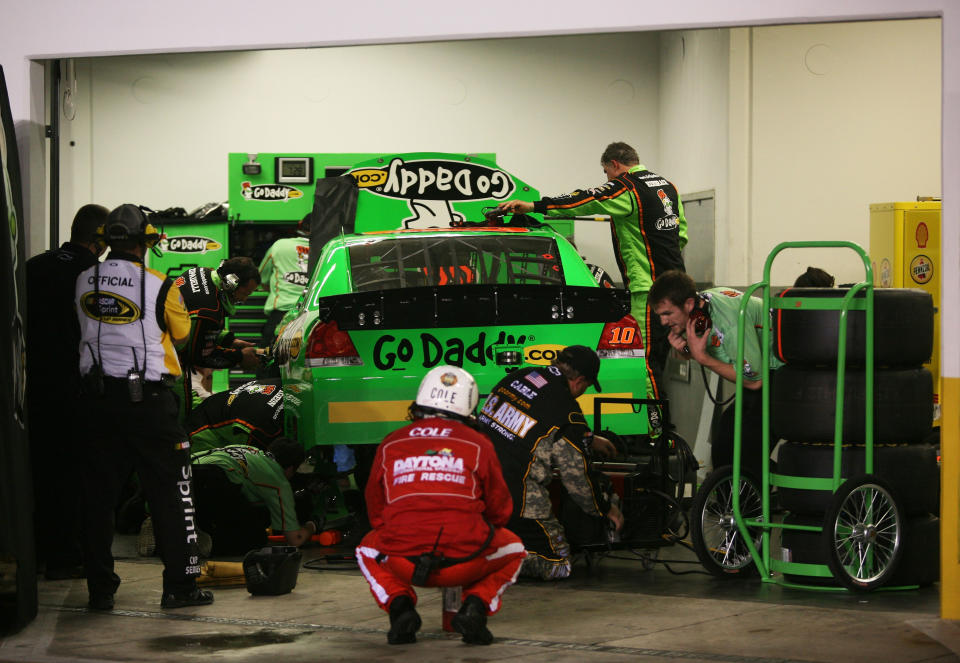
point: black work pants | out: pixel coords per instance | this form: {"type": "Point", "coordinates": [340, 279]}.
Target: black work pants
{"type": "Point", "coordinates": [235, 525]}
{"type": "Point", "coordinates": [120, 436]}
{"type": "Point", "coordinates": [56, 483]}
{"type": "Point", "coordinates": [751, 435]}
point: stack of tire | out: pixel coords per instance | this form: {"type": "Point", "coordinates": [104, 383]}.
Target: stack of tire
{"type": "Point", "coordinates": [803, 408]}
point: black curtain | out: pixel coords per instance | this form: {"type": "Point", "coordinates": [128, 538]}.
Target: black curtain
{"type": "Point", "coordinates": [18, 573]}
{"type": "Point", "coordinates": [334, 211]}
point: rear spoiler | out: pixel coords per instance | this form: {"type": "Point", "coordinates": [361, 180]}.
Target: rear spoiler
{"type": "Point", "coordinates": [475, 306]}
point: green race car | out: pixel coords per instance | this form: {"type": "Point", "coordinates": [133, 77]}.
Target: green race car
{"type": "Point", "coordinates": [383, 308]}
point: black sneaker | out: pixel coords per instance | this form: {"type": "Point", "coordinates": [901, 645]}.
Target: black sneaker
{"type": "Point", "coordinates": [404, 621]}
{"type": "Point", "coordinates": [195, 597]}
{"type": "Point", "coordinates": [100, 602]}
{"type": "Point", "coordinates": [471, 622]}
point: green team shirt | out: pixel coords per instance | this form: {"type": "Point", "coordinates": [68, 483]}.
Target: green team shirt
{"type": "Point", "coordinates": [284, 272]}
{"type": "Point", "coordinates": [261, 480]}
{"type": "Point", "coordinates": [648, 227]}
{"type": "Point", "coordinates": [723, 305]}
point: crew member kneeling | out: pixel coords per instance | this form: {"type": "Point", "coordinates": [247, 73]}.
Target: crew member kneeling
{"type": "Point", "coordinates": [437, 503]}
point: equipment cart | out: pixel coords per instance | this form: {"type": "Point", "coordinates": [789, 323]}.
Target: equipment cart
{"type": "Point", "coordinates": [861, 534]}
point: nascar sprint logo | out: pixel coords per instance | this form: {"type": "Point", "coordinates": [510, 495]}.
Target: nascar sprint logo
{"type": "Point", "coordinates": [435, 179]}
{"type": "Point", "coordinates": [270, 192]}
{"type": "Point", "coordinates": [189, 244]}
{"type": "Point", "coordinates": [109, 308]}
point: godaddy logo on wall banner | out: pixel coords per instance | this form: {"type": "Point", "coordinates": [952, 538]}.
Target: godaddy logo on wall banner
{"type": "Point", "coordinates": [431, 185]}
{"type": "Point", "coordinates": [188, 244]}
{"type": "Point", "coordinates": [269, 192]}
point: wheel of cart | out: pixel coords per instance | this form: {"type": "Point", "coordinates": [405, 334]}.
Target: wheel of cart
{"type": "Point", "coordinates": [862, 530]}
{"type": "Point", "coordinates": [714, 534]}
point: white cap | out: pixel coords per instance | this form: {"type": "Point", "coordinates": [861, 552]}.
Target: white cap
{"type": "Point", "coordinates": [448, 389]}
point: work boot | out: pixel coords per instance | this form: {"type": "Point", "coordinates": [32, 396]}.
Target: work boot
{"type": "Point", "coordinates": [196, 596]}
{"type": "Point", "coordinates": [404, 621]}
{"type": "Point", "coordinates": [471, 622]}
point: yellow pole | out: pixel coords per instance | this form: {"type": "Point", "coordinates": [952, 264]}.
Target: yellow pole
{"type": "Point", "coordinates": [950, 499]}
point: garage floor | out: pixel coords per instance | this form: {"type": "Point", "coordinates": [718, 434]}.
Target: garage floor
{"type": "Point", "coordinates": [613, 611]}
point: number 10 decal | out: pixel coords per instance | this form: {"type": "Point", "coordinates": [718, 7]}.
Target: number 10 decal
{"type": "Point", "coordinates": [622, 335]}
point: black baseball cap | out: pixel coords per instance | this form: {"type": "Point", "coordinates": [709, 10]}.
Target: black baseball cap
{"type": "Point", "coordinates": [583, 360]}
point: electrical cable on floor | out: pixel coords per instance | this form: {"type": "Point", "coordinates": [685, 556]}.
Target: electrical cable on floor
{"type": "Point", "coordinates": [330, 562]}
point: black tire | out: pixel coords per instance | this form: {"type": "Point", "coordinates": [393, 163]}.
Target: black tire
{"type": "Point", "coordinates": [912, 471]}
{"type": "Point", "coordinates": [903, 328]}
{"type": "Point", "coordinates": [713, 532]}
{"type": "Point", "coordinates": [920, 564]}
{"type": "Point", "coordinates": [863, 533]}
{"type": "Point", "coordinates": [804, 547]}
{"type": "Point", "coordinates": [803, 404]}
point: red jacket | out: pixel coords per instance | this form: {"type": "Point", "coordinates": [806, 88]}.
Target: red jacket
{"type": "Point", "coordinates": [435, 477]}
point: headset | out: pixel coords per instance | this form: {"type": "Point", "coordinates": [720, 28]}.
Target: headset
{"type": "Point", "coordinates": [230, 282]}
{"type": "Point", "coordinates": [131, 222]}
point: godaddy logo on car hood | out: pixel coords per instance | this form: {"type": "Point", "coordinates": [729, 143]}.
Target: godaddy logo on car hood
{"type": "Point", "coordinates": [435, 179]}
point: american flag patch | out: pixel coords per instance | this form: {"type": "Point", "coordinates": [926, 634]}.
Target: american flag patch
{"type": "Point", "coordinates": [535, 379]}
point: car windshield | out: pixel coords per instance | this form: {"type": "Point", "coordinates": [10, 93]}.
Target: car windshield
{"type": "Point", "coordinates": [408, 262]}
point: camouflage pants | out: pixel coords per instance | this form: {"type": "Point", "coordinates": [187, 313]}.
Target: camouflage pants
{"type": "Point", "coordinates": [548, 553]}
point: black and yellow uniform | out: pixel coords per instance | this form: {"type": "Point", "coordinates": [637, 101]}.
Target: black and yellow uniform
{"type": "Point", "coordinates": [649, 232]}
{"type": "Point", "coordinates": [537, 426]}
{"type": "Point", "coordinates": [53, 387]}
{"type": "Point", "coordinates": [208, 344]}
{"type": "Point", "coordinates": [250, 414]}
{"type": "Point", "coordinates": [130, 318]}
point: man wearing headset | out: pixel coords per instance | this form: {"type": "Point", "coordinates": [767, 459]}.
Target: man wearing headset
{"type": "Point", "coordinates": [649, 232]}
{"type": "Point", "coordinates": [438, 505]}
{"type": "Point", "coordinates": [130, 319]}
{"type": "Point", "coordinates": [210, 296]}
{"type": "Point", "coordinates": [703, 327]}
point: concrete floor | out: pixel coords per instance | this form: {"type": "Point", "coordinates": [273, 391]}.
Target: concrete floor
{"type": "Point", "coordinates": [614, 610]}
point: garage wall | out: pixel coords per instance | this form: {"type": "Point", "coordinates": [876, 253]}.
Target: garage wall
{"type": "Point", "coordinates": [156, 129]}
{"type": "Point", "coordinates": [796, 128]}
{"type": "Point", "coordinates": [844, 115]}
